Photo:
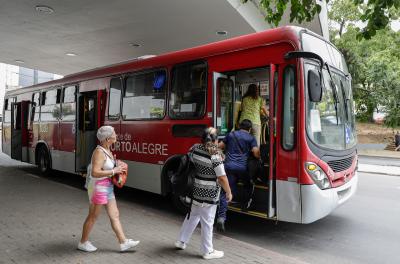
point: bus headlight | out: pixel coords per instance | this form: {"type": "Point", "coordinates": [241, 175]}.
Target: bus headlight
{"type": "Point", "coordinates": [318, 175]}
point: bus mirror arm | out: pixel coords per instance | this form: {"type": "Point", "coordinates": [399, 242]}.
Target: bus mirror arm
{"type": "Point", "coordinates": [304, 54]}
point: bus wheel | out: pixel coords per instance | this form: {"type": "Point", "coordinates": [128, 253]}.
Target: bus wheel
{"type": "Point", "coordinates": [43, 161]}
{"type": "Point", "coordinates": [181, 203]}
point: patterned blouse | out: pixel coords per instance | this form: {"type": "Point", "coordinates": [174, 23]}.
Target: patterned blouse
{"type": "Point", "coordinates": [206, 190]}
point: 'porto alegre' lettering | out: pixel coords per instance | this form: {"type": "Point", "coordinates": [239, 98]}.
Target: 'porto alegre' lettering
{"type": "Point", "coordinates": [125, 145]}
{"type": "Point", "coordinates": [141, 148]}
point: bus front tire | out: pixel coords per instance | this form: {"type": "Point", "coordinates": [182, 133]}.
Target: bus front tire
{"type": "Point", "coordinates": [44, 161]}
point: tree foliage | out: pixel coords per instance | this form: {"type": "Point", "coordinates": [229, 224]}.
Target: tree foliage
{"type": "Point", "coordinates": [373, 63]}
{"type": "Point", "coordinates": [375, 13]}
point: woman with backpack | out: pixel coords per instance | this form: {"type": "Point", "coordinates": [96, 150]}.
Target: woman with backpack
{"type": "Point", "coordinates": [209, 178]}
{"type": "Point", "coordinates": [101, 191]}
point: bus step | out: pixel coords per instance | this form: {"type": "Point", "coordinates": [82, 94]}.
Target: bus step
{"type": "Point", "coordinates": [257, 186]}
{"type": "Point", "coordinates": [249, 212]}
{"type": "Point", "coordinates": [259, 198]}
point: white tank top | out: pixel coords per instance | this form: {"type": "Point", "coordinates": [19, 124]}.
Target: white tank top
{"type": "Point", "coordinates": [109, 163]}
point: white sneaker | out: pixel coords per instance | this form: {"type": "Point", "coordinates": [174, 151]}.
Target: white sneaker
{"type": "Point", "coordinates": [87, 246]}
{"type": "Point", "coordinates": [215, 254]}
{"type": "Point", "coordinates": [129, 243]}
{"type": "Point", "coordinates": [180, 245]}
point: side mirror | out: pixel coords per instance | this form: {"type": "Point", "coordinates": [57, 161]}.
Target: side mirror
{"type": "Point", "coordinates": [314, 86]}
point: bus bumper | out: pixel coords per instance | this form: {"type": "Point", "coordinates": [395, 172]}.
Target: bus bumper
{"type": "Point", "coordinates": [317, 203]}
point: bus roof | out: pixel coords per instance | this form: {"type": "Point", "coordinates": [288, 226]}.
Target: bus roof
{"type": "Point", "coordinates": [288, 33]}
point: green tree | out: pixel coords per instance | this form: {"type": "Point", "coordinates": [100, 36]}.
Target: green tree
{"type": "Point", "coordinates": [344, 13]}
{"type": "Point", "coordinates": [377, 13]}
{"type": "Point", "coordinates": [375, 68]}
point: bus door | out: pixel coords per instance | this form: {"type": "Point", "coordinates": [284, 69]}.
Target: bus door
{"type": "Point", "coordinates": [273, 88]}
{"type": "Point", "coordinates": [288, 192]}
{"type": "Point", "coordinates": [223, 104]}
{"type": "Point", "coordinates": [19, 130]}
{"type": "Point", "coordinates": [86, 128]}
{"type": "Point", "coordinates": [226, 107]}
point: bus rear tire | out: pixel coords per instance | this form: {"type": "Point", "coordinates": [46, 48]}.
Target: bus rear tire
{"type": "Point", "coordinates": [43, 163]}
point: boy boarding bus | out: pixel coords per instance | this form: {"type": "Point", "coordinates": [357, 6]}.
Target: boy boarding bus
{"type": "Point", "coordinates": [159, 107]}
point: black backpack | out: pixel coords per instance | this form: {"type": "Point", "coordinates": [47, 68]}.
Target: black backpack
{"type": "Point", "coordinates": [182, 180]}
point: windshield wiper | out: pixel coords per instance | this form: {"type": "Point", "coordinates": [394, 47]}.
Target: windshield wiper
{"type": "Point", "coordinates": [346, 99]}
{"type": "Point", "coordinates": [334, 90]}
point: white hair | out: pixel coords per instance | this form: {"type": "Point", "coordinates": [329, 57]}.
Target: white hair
{"type": "Point", "coordinates": [104, 132]}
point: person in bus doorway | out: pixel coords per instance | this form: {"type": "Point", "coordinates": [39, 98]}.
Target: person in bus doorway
{"type": "Point", "coordinates": [209, 178]}
{"type": "Point", "coordinates": [252, 107]}
{"type": "Point", "coordinates": [101, 191]}
{"type": "Point", "coordinates": [238, 145]}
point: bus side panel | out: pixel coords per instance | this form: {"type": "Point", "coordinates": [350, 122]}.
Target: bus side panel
{"type": "Point", "coordinates": [251, 58]}
{"type": "Point", "coordinates": [48, 132]}
{"type": "Point", "coordinates": [147, 145]}
{"type": "Point", "coordinates": [64, 157]}
{"type": "Point", "coordinates": [288, 201]}
{"type": "Point", "coordinates": [144, 176]}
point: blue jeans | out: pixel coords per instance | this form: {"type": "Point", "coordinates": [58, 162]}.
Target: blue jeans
{"type": "Point", "coordinates": [234, 177]}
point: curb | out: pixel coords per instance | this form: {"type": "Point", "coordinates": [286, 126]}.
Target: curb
{"type": "Point", "coordinates": [387, 170]}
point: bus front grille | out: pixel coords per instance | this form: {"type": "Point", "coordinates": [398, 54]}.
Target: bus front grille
{"type": "Point", "coordinates": [341, 165]}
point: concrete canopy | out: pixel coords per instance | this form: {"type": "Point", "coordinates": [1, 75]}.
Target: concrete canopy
{"type": "Point", "coordinates": [102, 32]}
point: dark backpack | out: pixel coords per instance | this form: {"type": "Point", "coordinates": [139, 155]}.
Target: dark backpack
{"type": "Point", "coordinates": [182, 180]}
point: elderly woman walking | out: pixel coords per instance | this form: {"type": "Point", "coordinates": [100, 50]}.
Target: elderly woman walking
{"type": "Point", "coordinates": [101, 191]}
{"type": "Point", "coordinates": [210, 177]}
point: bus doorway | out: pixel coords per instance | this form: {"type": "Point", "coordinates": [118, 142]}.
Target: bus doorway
{"type": "Point", "coordinates": [86, 128]}
{"type": "Point", "coordinates": [19, 130]}
{"type": "Point", "coordinates": [230, 88]}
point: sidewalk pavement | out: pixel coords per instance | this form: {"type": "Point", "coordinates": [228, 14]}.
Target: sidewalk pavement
{"type": "Point", "coordinates": [41, 222]}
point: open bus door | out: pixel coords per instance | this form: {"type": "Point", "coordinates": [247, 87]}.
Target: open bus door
{"type": "Point", "coordinates": [226, 104]}
{"type": "Point", "coordinates": [86, 128]}
{"type": "Point", "coordinates": [19, 130]}
{"type": "Point", "coordinates": [273, 92]}
{"type": "Point", "coordinates": [223, 104]}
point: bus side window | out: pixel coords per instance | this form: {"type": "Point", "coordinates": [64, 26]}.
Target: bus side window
{"type": "Point", "coordinates": [288, 107]}
{"type": "Point", "coordinates": [50, 109]}
{"type": "Point", "coordinates": [188, 91]}
{"type": "Point", "coordinates": [114, 101]}
{"type": "Point", "coordinates": [144, 96]}
{"type": "Point", "coordinates": [68, 106]}
{"type": "Point", "coordinates": [35, 107]}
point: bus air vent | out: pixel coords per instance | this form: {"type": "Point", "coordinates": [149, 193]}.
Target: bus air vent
{"type": "Point", "coordinates": [341, 165]}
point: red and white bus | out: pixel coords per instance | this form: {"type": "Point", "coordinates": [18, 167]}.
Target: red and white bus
{"type": "Point", "coordinates": [159, 106]}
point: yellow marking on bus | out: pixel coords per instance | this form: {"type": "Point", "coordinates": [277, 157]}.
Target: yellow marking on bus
{"type": "Point", "coordinates": [253, 213]}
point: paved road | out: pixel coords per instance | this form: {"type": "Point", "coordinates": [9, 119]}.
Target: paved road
{"type": "Point", "coordinates": [364, 230]}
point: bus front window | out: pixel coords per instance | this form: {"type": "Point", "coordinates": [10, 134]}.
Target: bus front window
{"type": "Point", "coordinates": [330, 122]}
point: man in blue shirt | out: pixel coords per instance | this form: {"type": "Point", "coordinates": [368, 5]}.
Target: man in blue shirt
{"type": "Point", "coordinates": [238, 146]}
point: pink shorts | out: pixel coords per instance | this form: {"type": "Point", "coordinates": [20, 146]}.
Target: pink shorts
{"type": "Point", "coordinates": [100, 191]}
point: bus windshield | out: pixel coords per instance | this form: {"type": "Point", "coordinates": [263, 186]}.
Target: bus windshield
{"type": "Point", "coordinates": [330, 122]}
